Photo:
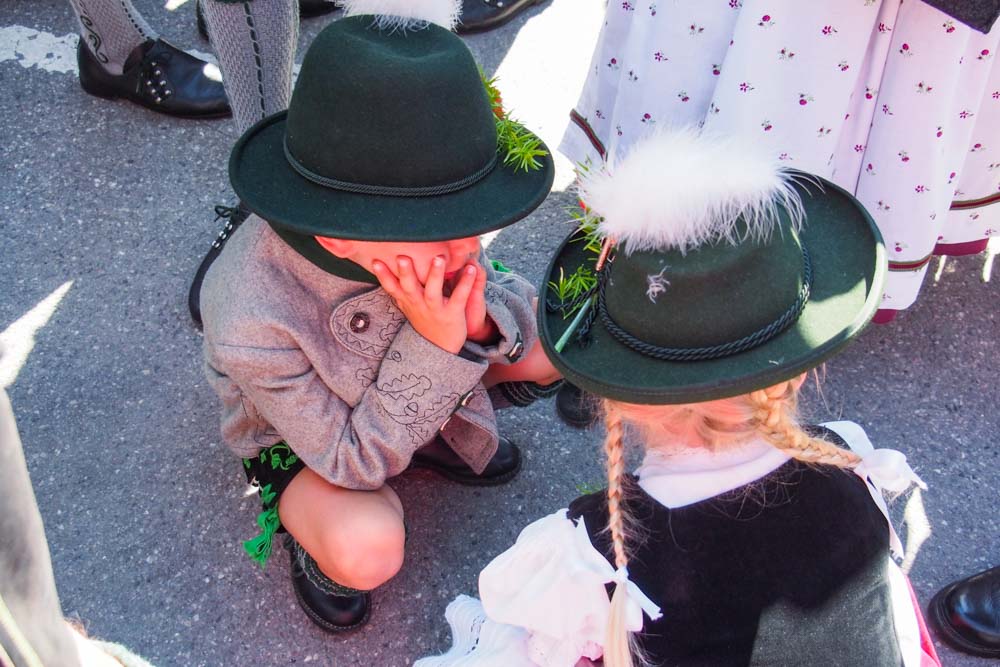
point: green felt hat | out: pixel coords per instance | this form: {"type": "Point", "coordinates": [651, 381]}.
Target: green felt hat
{"type": "Point", "coordinates": [390, 136]}
{"type": "Point", "coordinates": [762, 287]}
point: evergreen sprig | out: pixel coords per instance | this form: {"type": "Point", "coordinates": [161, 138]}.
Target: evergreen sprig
{"type": "Point", "coordinates": [519, 146]}
{"type": "Point", "coordinates": [570, 288]}
{"type": "Point", "coordinates": [586, 223]}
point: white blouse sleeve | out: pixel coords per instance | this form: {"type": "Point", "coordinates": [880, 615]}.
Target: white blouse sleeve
{"type": "Point", "coordinates": [552, 583]}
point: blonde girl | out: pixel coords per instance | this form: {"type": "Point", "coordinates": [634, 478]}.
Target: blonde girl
{"type": "Point", "coordinates": [703, 284]}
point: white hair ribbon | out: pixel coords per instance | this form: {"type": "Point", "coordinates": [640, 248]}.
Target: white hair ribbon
{"type": "Point", "coordinates": [882, 469]}
{"type": "Point", "coordinates": [636, 598]}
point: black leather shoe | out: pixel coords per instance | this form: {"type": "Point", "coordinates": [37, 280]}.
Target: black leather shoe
{"type": "Point", "coordinates": [576, 407]}
{"type": "Point", "coordinates": [329, 605]}
{"type": "Point", "coordinates": [438, 457]}
{"type": "Point", "coordinates": [481, 15]}
{"type": "Point", "coordinates": [966, 614]}
{"type": "Point", "coordinates": [234, 217]}
{"type": "Point", "coordinates": [158, 76]}
{"type": "Point", "coordinates": [307, 10]}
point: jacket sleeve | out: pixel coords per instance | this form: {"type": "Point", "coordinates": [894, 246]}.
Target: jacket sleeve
{"type": "Point", "coordinates": [418, 387]}
{"type": "Point", "coordinates": [510, 304]}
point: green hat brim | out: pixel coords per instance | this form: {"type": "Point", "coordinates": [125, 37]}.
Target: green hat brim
{"type": "Point", "coordinates": [271, 188]}
{"type": "Point", "coordinates": [849, 266]}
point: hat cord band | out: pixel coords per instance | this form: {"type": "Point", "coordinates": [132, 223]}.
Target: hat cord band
{"type": "Point", "coordinates": [388, 190]}
{"type": "Point", "coordinates": [748, 342]}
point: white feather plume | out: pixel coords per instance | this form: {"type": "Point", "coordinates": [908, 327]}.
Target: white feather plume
{"type": "Point", "coordinates": [680, 187]}
{"type": "Point", "coordinates": [393, 15]}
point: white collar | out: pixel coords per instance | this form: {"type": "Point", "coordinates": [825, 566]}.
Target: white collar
{"type": "Point", "coordinates": [686, 476]}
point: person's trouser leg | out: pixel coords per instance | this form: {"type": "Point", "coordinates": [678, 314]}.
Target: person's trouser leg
{"type": "Point", "coordinates": [111, 29]}
{"type": "Point", "coordinates": [255, 42]}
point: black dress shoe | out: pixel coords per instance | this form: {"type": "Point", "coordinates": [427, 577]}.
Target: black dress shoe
{"type": "Point", "coordinates": [158, 76]}
{"type": "Point", "coordinates": [438, 457]}
{"type": "Point", "coordinates": [480, 15]}
{"type": "Point", "coordinates": [329, 605]}
{"type": "Point", "coordinates": [966, 614]}
{"type": "Point", "coordinates": [576, 407]}
{"type": "Point", "coordinates": [234, 217]}
{"type": "Point", "coordinates": [307, 10]}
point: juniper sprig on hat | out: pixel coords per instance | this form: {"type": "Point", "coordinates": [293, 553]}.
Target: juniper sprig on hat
{"type": "Point", "coordinates": [390, 135]}
{"type": "Point", "coordinates": [728, 272]}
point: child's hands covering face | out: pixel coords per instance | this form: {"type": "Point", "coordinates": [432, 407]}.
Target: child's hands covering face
{"type": "Point", "coordinates": [480, 328]}
{"type": "Point", "coordinates": [440, 319]}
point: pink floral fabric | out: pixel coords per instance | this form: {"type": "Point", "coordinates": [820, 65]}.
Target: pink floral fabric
{"type": "Point", "coordinates": [893, 101]}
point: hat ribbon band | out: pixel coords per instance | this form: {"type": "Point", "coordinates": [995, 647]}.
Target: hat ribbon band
{"type": "Point", "coordinates": [748, 342]}
{"type": "Point", "coordinates": [388, 190]}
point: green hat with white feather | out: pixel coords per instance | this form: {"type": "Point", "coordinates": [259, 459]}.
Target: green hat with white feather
{"type": "Point", "coordinates": [703, 269]}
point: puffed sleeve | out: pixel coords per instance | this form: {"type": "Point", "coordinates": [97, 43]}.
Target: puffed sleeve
{"type": "Point", "coordinates": [552, 583]}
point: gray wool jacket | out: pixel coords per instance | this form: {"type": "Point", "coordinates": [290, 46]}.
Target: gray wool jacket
{"type": "Point", "coordinates": [331, 366]}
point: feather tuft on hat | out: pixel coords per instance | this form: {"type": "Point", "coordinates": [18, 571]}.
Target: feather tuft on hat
{"type": "Point", "coordinates": [404, 15]}
{"type": "Point", "coordinates": [680, 188]}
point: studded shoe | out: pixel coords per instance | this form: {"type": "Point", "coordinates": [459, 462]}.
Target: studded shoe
{"type": "Point", "coordinates": [234, 217]}
{"type": "Point", "coordinates": [332, 607]}
{"type": "Point", "coordinates": [481, 15]}
{"type": "Point", "coordinates": [157, 76]}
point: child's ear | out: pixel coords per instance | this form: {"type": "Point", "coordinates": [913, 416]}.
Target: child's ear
{"type": "Point", "coordinates": [340, 247]}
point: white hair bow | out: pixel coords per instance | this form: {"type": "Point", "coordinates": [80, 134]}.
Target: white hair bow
{"type": "Point", "coordinates": [884, 470]}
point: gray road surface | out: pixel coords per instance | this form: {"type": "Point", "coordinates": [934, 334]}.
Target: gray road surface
{"type": "Point", "coordinates": [106, 212]}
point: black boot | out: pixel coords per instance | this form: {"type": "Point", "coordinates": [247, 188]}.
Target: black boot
{"type": "Point", "coordinates": [481, 15]}
{"type": "Point", "coordinates": [966, 614]}
{"type": "Point", "coordinates": [307, 9]}
{"type": "Point", "coordinates": [234, 217]}
{"type": "Point", "coordinates": [157, 76]}
{"type": "Point", "coordinates": [442, 459]}
{"type": "Point", "coordinates": [576, 407]}
{"type": "Point", "coordinates": [329, 605]}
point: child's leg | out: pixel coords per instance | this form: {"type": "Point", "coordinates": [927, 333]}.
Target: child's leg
{"type": "Point", "coordinates": [356, 537]}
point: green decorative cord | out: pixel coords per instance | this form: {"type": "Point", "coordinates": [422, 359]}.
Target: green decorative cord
{"type": "Point", "coordinates": [519, 146]}
{"type": "Point", "coordinates": [259, 548]}
{"type": "Point", "coordinates": [280, 457]}
{"type": "Point", "coordinates": [498, 266]}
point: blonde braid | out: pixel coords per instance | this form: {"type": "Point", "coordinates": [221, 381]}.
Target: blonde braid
{"type": "Point", "coordinates": [614, 449]}
{"type": "Point", "coordinates": [619, 643]}
{"type": "Point", "coordinates": [771, 413]}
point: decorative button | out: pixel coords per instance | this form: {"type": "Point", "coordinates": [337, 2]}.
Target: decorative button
{"type": "Point", "coordinates": [359, 322]}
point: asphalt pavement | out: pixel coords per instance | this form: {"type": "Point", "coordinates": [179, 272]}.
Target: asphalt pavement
{"type": "Point", "coordinates": [106, 212]}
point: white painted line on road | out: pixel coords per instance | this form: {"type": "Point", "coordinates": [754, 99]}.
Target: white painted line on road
{"type": "Point", "coordinates": [18, 339]}
{"type": "Point", "coordinates": [51, 53]}
{"type": "Point", "coordinates": [32, 48]}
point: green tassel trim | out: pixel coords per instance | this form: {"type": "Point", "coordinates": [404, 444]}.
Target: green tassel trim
{"type": "Point", "coordinates": [259, 548]}
{"type": "Point", "coordinates": [498, 266]}
{"type": "Point", "coordinates": [518, 145]}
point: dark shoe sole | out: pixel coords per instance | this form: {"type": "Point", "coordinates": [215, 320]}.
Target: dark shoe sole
{"type": "Point", "coordinates": [492, 25]}
{"type": "Point", "coordinates": [937, 618]}
{"type": "Point", "coordinates": [325, 625]}
{"type": "Point", "coordinates": [496, 480]}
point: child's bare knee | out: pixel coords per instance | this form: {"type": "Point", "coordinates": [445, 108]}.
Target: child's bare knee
{"type": "Point", "coordinates": [365, 560]}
